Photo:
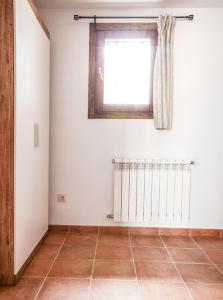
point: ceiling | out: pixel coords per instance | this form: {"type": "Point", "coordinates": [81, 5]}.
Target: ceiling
{"type": "Point", "coordinates": [125, 3]}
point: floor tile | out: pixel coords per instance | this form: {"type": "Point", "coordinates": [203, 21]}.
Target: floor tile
{"type": "Point", "coordinates": [216, 255]}
{"type": "Point", "coordinates": [55, 238]}
{"type": "Point", "coordinates": [58, 228]}
{"type": "Point", "coordinates": [38, 267]}
{"type": "Point", "coordinates": [206, 292]}
{"type": "Point", "coordinates": [151, 254]}
{"type": "Point", "coordinates": [143, 240]}
{"type": "Point", "coordinates": [144, 231]}
{"type": "Point", "coordinates": [198, 273]}
{"type": "Point", "coordinates": [113, 239]}
{"type": "Point", "coordinates": [163, 291]}
{"type": "Point", "coordinates": [161, 272]}
{"type": "Point", "coordinates": [174, 231]}
{"type": "Point", "coordinates": [72, 268]}
{"type": "Point", "coordinates": [205, 232]}
{"type": "Point", "coordinates": [209, 242]}
{"type": "Point", "coordinates": [220, 267]}
{"type": "Point", "coordinates": [114, 290]}
{"type": "Point", "coordinates": [83, 238]}
{"type": "Point", "coordinates": [26, 289]}
{"type": "Point", "coordinates": [83, 229]}
{"type": "Point", "coordinates": [114, 269]}
{"type": "Point", "coordinates": [48, 251]}
{"type": "Point", "coordinates": [111, 229]}
{"type": "Point", "coordinates": [179, 242]}
{"type": "Point", "coordinates": [64, 288]}
{"type": "Point", "coordinates": [188, 255]}
{"type": "Point", "coordinates": [109, 252]}
{"type": "Point", "coordinates": [77, 252]}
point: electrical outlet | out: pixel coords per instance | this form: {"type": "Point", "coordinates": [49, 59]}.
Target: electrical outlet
{"type": "Point", "coordinates": [61, 198]}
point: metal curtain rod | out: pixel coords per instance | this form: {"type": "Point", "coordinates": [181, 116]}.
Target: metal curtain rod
{"type": "Point", "coordinates": [77, 17]}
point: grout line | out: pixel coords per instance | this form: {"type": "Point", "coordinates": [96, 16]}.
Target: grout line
{"type": "Point", "coordinates": [160, 247]}
{"type": "Point", "coordinates": [211, 261]}
{"type": "Point", "coordinates": [94, 259]}
{"type": "Point", "coordinates": [150, 246]}
{"type": "Point", "coordinates": [206, 284]}
{"type": "Point", "coordinates": [129, 280]}
{"type": "Point", "coordinates": [129, 260]}
{"type": "Point", "coordinates": [98, 259]}
{"type": "Point", "coordinates": [184, 283]}
{"type": "Point", "coordinates": [40, 288]}
{"type": "Point", "coordinates": [171, 262]}
{"type": "Point", "coordinates": [96, 279]}
{"type": "Point", "coordinates": [134, 266]}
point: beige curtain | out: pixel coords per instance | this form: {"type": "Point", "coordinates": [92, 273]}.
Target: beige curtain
{"type": "Point", "coordinates": [163, 74]}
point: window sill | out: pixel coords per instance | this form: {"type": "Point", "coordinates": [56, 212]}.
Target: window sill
{"type": "Point", "coordinates": [120, 115]}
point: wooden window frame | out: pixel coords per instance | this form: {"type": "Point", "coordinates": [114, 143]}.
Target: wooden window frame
{"type": "Point", "coordinates": [96, 108]}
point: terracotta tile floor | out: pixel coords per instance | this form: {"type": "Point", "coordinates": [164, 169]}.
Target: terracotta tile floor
{"type": "Point", "coordinates": [118, 266]}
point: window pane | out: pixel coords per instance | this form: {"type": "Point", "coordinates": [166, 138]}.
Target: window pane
{"type": "Point", "coordinates": [127, 71]}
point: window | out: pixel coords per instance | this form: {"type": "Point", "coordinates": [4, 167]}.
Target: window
{"type": "Point", "coordinates": [121, 70]}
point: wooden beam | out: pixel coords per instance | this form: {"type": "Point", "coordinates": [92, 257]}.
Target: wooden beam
{"type": "Point", "coordinates": [6, 142]}
{"type": "Point", "coordinates": [39, 17]}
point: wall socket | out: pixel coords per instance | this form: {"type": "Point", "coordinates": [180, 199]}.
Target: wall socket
{"type": "Point", "coordinates": [61, 198]}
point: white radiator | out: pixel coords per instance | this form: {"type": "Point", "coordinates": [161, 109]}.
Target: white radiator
{"type": "Point", "coordinates": [153, 190]}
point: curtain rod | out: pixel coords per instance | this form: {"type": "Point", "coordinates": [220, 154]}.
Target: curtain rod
{"type": "Point", "coordinates": [77, 17]}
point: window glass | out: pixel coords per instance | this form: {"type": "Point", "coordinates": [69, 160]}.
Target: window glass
{"type": "Point", "coordinates": [127, 65]}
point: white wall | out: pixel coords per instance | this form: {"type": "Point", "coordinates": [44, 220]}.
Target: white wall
{"type": "Point", "coordinates": [32, 106]}
{"type": "Point", "coordinates": [82, 149]}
